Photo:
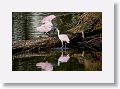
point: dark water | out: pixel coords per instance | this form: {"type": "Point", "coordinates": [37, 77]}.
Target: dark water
{"type": "Point", "coordinates": [57, 59]}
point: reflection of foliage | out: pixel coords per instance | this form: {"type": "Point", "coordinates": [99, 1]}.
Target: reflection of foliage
{"type": "Point", "coordinates": [18, 26]}
{"type": "Point", "coordinates": [93, 65]}
{"type": "Point", "coordinates": [93, 61]}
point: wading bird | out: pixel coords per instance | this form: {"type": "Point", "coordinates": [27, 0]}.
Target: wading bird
{"type": "Point", "coordinates": [45, 66]}
{"type": "Point", "coordinates": [45, 28]}
{"type": "Point", "coordinates": [63, 58]}
{"type": "Point", "coordinates": [46, 24]}
{"type": "Point", "coordinates": [48, 19]}
{"type": "Point", "coordinates": [63, 38]}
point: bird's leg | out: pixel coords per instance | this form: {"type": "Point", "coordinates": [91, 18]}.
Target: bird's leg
{"type": "Point", "coordinates": [65, 45]}
{"type": "Point", "coordinates": [83, 53]}
{"type": "Point", "coordinates": [83, 35]}
{"type": "Point", "coordinates": [47, 34]}
{"type": "Point", "coordinates": [62, 44]}
{"type": "Point", "coordinates": [53, 31]}
{"type": "Point", "coordinates": [62, 52]}
{"type": "Point", "coordinates": [45, 58]}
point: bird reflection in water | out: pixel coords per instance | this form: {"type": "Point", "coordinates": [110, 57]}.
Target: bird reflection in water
{"type": "Point", "coordinates": [63, 58]}
{"type": "Point", "coordinates": [45, 66]}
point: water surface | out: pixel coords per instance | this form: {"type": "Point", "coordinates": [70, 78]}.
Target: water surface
{"type": "Point", "coordinates": [57, 59]}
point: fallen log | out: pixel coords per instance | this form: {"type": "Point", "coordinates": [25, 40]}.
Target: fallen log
{"type": "Point", "coordinates": [40, 42]}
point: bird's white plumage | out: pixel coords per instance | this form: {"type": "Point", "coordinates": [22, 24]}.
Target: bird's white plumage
{"type": "Point", "coordinates": [45, 27]}
{"type": "Point", "coordinates": [48, 19]}
{"type": "Point", "coordinates": [46, 24]}
{"type": "Point", "coordinates": [64, 37]}
{"type": "Point", "coordinates": [63, 58]}
{"type": "Point", "coordinates": [45, 66]}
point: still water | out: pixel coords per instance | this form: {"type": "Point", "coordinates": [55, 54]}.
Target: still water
{"type": "Point", "coordinates": [57, 59]}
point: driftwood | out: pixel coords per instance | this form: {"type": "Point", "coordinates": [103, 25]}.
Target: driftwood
{"type": "Point", "coordinates": [41, 41]}
{"type": "Point", "coordinates": [90, 23]}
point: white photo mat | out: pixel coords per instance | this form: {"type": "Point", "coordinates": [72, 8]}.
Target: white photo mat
{"type": "Point", "coordinates": [104, 76]}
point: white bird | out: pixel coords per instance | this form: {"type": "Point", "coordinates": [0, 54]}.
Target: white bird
{"type": "Point", "coordinates": [63, 37]}
{"type": "Point", "coordinates": [46, 24]}
{"type": "Point", "coordinates": [63, 58]}
{"type": "Point", "coordinates": [44, 28]}
{"type": "Point", "coordinates": [48, 19]}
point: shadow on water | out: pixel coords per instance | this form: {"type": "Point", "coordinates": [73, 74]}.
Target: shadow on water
{"type": "Point", "coordinates": [57, 59]}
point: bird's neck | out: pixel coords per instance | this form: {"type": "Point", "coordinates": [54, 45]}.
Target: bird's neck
{"type": "Point", "coordinates": [58, 63]}
{"type": "Point", "coordinates": [58, 32]}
